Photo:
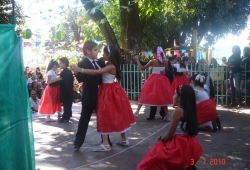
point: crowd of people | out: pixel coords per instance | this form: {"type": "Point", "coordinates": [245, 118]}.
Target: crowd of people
{"type": "Point", "coordinates": [170, 84]}
{"type": "Point", "coordinates": [36, 84]}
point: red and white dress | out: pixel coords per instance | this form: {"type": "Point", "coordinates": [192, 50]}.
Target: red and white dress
{"type": "Point", "coordinates": [180, 80]}
{"type": "Point", "coordinates": [174, 154]}
{"type": "Point", "coordinates": [156, 90]}
{"type": "Point", "coordinates": [206, 107]}
{"type": "Point", "coordinates": [113, 110]}
{"type": "Point", "coordinates": [50, 100]}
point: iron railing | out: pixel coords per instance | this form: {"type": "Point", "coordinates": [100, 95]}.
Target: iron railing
{"type": "Point", "coordinates": [133, 79]}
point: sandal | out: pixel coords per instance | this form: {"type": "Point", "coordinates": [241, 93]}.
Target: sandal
{"type": "Point", "coordinates": [136, 114]}
{"type": "Point", "coordinates": [167, 118]}
{"type": "Point", "coordinates": [123, 143]}
{"type": "Point", "coordinates": [102, 148]}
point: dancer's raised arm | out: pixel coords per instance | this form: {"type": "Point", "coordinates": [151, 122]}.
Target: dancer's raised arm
{"type": "Point", "coordinates": [139, 64]}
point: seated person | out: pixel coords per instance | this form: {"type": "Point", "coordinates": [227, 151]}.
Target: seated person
{"type": "Point", "coordinates": [178, 145]}
{"type": "Point", "coordinates": [34, 101]}
{"type": "Point", "coordinates": [206, 107]}
{"type": "Point", "coordinates": [77, 96]}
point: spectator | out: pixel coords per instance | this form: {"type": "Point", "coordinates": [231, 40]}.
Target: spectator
{"type": "Point", "coordinates": [32, 79]}
{"type": "Point", "coordinates": [224, 62]}
{"type": "Point", "coordinates": [234, 64]}
{"type": "Point", "coordinates": [213, 63]}
{"type": "Point", "coordinates": [26, 71]}
{"type": "Point", "coordinates": [39, 77]}
{"type": "Point", "coordinates": [29, 88]}
{"type": "Point", "coordinates": [34, 101]}
{"type": "Point", "coordinates": [38, 70]}
{"type": "Point", "coordinates": [202, 66]}
{"type": "Point", "coordinates": [76, 94]}
{"type": "Point", "coordinates": [39, 90]}
{"type": "Point", "coordinates": [34, 86]}
{"type": "Point", "coordinates": [246, 60]}
{"type": "Point", "coordinates": [192, 64]}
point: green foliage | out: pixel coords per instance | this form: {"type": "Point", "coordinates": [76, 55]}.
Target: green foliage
{"type": "Point", "coordinates": [6, 13]}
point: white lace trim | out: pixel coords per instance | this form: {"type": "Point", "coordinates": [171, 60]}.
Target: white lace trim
{"type": "Point", "coordinates": [106, 133]}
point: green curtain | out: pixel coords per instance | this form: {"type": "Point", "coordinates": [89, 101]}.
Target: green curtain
{"type": "Point", "coordinates": [16, 134]}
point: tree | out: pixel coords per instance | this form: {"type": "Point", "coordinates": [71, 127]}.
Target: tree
{"type": "Point", "coordinates": [8, 9]}
{"type": "Point", "coordinates": [137, 24]}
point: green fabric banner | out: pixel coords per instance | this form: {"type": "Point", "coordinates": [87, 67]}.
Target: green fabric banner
{"type": "Point", "coordinates": [16, 134]}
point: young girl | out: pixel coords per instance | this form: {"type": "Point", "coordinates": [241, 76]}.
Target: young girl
{"type": "Point", "coordinates": [178, 146]}
{"type": "Point", "coordinates": [156, 91]}
{"type": "Point", "coordinates": [181, 79]}
{"type": "Point", "coordinates": [206, 107]}
{"type": "Point", "coordinates": [114, 113]}
{"type": "Point", "coordinates": [50, 101]}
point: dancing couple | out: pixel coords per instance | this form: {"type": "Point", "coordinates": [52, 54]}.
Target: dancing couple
{"type": "Point", "coordinates": [103, 94]}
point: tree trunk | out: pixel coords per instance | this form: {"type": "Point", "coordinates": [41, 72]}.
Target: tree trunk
{"type": "Point", "coordinates": [105, 27]}
{"type": "Point", "coordinates": [77, 30]}
{"type": "Point", "coordinates": [131, 29]}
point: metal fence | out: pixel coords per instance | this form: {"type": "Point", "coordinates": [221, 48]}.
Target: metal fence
{"type": "Point", "coordinates": [133, 79]}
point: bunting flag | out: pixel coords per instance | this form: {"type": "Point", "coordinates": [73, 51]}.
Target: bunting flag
{"type": "Point", "coordinates": [177, 53]}
{"type": "Point", "coordinates": [25, 44]}
{"type": "Point", "coordinates": [37, 43]}
{"type": "Point", "coordinates": [183, 51]}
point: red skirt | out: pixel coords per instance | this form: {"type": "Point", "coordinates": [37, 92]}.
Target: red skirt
{"type": "Point", "coordinates": [180, 80]}
{"type": "Point", "coordinates": [206, 111]}
{"type": "Point", "coordinates": [156, 91]}
{"type": "Point", "coordinates": [114, 112]}
{"type": "Point", "coordinates": [176, 154]}
{"type": "Point", "coordinates": [50, 101]}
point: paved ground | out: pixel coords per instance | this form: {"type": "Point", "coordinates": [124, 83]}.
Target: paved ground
{"type": "Point", "coordinates": [228, 149]}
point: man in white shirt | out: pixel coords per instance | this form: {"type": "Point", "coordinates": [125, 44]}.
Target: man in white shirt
{"type": "Point", "coordinates": [34, 101]}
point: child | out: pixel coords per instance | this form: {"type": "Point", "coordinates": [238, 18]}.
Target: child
{"type": "Point", "coordinates": [206, 107]}
{"type": "Point", "coordinates": [181, 77]}
{"type": "Point", "coordinates": [114, 113]}
{"type": "Point", "coordinates": [66, 90]}
{"type": "Point", "coordinates": [156, 91]}
{"type": "Point", "coordinates": [50, 101]}
{"type": "Point", "coordinates": [178, 146]}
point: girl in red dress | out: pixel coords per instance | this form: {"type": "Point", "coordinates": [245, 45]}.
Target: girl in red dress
{"type": "Point", "coordinates": [113, 110]}
{"type": "Point", "coordinates": [50, 100]}
{"type": "Point", "coordinates": [181, 79]}
{"type": "Point", "coordinates": [156, 91]}
{"type": "Point", "coordinates": [206, 107]}
{"type": "Point", "coordinates": [178, 146]}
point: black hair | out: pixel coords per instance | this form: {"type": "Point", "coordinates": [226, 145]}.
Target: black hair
{"type": "Point", "coordinates": [236, 50]}
{"type": "Point", "coordinates": [65, 61]}
{"type": "Point", "coordinates": [115, 58]}
{"type": "Point", "coordinates": [182, 62]}
{"type": "Point", "coordinates": [88, 45]}
{"type": "Point", "coordinates": [52, 63]}
{"type": "Point", "coordinates": [40, 74]}
{"type": "Point", "coordinates": [197, 82]}
{"type": "Point", "coordinates": [188, 104]}
{"type": "Point", "coordinates": [154, 50]}
{"type": "Point", "coordinates": [171, 58]}
{"type": "Point", "coordinates": [32, 84]}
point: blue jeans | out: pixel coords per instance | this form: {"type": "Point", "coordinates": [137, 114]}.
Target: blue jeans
{"type": "Point", "coordinates": [235, 84]}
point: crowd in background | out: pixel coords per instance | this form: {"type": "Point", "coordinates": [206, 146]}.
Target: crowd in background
{"type": "Point", "coordinates": [36, 84]}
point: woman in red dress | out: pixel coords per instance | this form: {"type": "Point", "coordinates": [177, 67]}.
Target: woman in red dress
{"type": "Point", "coordinates": [179, 145]}
{"type": "Point", "coordinates": [113, 110]}
{"type": "Point", "coordinates": [50, 100]}
{"type": "Point", "coordinates": [156, 91]}
{"type": "Point", "coordinates": [206, 108]}
{"type": "Point", "coordinates": [181, 79]}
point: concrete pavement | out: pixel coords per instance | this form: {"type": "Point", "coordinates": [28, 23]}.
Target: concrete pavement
{"type": "Point", "coordinates": [228, 149]}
